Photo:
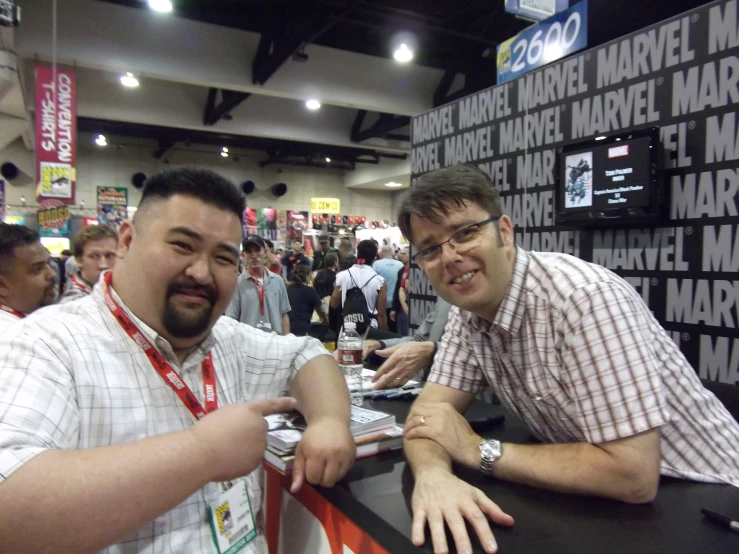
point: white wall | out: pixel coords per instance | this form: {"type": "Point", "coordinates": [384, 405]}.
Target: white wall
{"type": "Point", "coordinates": [112, 167]}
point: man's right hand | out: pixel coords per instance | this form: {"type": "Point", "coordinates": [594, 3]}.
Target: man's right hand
{"type": "Point", "coordinates": [369, 346]}
{"type": "Point", "coordinates": [439, 497]}
{"type": "Point", "coordinates": [234, 437]}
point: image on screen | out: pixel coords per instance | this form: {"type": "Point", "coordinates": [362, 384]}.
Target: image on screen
{"type": "Point", "coordinates": [579, 186]}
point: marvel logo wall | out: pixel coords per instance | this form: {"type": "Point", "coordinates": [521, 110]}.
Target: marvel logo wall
{"type": "Point", "coordinates": [681, 75]}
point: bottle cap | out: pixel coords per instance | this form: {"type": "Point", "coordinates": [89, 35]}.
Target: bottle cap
{"type": "Point", "coordinates": [350, 325]}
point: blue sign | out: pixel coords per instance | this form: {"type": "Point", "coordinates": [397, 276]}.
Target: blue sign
{"type": "Point", "coordinates": [541, 44]}
{"type": "Point", "coordinates": [535, 10]}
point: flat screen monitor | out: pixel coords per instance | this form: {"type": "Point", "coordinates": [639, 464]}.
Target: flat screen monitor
{"type": "Point", "coordinates": [614, 179]}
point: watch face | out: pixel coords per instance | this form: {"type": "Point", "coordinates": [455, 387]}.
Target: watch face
{"type": "Point", "coordinates": [492, 449]}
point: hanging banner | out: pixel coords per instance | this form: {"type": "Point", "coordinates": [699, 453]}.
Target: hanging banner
{"type": "Point", "coordinates": [535, 10]}
{"type": "Point", "coordinates": [2, 200]}
{"type": "Point", "coordinates": [325, 205]}
{"type": "Point", "coordinates": [53, 218]}
{"type": "Point", "coordinates": [297, 222]}
{"type": "Point", "coordinates": [112, 205]}
{"type": "Point", "coordinates": [541, 44]}
{"type": "Point", "coordinates": [56, 134]}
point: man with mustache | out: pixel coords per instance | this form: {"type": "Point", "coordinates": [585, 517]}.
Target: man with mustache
{"type": "Point", "coordinates": [132, 419]}
{"type": "Point", "coordinates": [26, 278]}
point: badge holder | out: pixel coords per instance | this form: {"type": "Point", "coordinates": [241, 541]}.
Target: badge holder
{"type": "Point", "coordinates": [264, 325]}
{"type": "Point", "coordinates": [232, 519]}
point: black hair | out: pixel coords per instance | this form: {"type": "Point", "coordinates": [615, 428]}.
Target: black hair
{"type": "Point", "coordinates": [367, 251]}
{"type": "Point", "coordinates": [270, 244]}
{"type": "Point", "coordinates": [300, 275]}
{"type": "Point", "coordinates": [202, 184]}
{"type": "Point", "coordinates": [66, 252]}
{"type": "Point", "coordinates": [435, 193]}
{"type": "Point", "coordinates": [331, 259]}
{"type": "Point", "coordinates": [347, 261]}
{"type": "Point", "coordinates": [12, 237]}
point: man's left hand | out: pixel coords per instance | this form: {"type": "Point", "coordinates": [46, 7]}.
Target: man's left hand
{"type": "Point", "coordinates": [324, 454]}
{"type": "Point", "coordinates": [441, 423]}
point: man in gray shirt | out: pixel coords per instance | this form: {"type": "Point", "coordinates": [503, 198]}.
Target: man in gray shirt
{"type": "Point", "coordinates": [407, 356]}
{"type": "Point", "coordinates": [260, 299]}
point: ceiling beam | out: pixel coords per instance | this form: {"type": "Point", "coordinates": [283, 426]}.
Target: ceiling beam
{"type": "Point", "coordinates": [386, 124]}
{"type": "Point", "coordinates": [229, 101]}
{"type": "Point", "coordinates": [165, 145]}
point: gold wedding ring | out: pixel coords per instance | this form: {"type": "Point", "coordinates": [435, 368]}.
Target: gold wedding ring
{"type": "Point", "coordinates": [423, 420]}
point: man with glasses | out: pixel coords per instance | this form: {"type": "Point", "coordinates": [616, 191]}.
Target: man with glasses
{"type": "Point", "coordinates": [94, 251]}
{"type": "Point", "coordinates": [569, 348]}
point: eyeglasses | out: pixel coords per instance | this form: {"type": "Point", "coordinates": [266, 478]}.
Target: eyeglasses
{"type": "Point", "coordinates": [461, 242]}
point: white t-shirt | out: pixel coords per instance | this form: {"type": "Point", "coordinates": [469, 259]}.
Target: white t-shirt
{"type": "Point", "coordinates": [362, 274]}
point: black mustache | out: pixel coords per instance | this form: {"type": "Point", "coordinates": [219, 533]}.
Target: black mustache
{"type": "Point", "coordinates": [208, 292]}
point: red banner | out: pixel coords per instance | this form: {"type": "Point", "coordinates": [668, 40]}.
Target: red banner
{"type": "Point", "coordinates": [56, 134]}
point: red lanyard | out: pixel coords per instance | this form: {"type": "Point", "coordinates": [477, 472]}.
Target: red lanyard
{"type": "Point", "coordinates": [16, 313]}
{"type": "Point", "coordinates": [80, 285]}
{"type": "Point", "coordinates": [163, 367]}
{"type": "Point", "coordinates": [260, 292]}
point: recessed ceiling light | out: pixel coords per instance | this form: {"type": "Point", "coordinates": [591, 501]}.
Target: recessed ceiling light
{"type": "Point", "coordinates": [393, 184]}
{"type": "Point", "coordinates": [403, 54]}
{"type": "Point", "coordinates": [328, 160]}
{"type": "Point", "coordinates": [100, 140]}
{"type": "Point", "coordinates": [313, 104]}
{"type": "Point", "coordinates": [224, 154]}
{"type": "Point", "coordinates": [128, 80]}
{"type": "Point", "coordinates": [602, 137]}
{"type": "Point", "coordinates": [162, 6]}
{"type": "Point", "coordinates": [225, 149]}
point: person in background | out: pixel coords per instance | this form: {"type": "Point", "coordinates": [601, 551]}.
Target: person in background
{"type": "Point", "coordinates": [345, 248]}
{"type": "Point", "coordinates": [137, 407]}
{"type": "Point", "coordinates": [320, 254]}
{"type": "Point", "coordinates": [95, 249]}
{"type": "Point", "coordinates": [347, 261]}
{"type": "Point", "coordinates": [27, 280]}
{"type": "Point", "coordinates": [260, 299]}
{"type": "Point", "coordinates": [406, 357]}
{"type": "Point", "coordinates": [569, 348]}
{"type": "Point", "coordinates": [389, 268]}
{"type": "Point", "coordinates": [399, 311]}
{"type": "Point", "coordinates": [304, 300]}
{"type": "Point", "coordinates": [294, 259]}
{"type": "Point", "coordinates": [326, 278]}
{"type": "Point", "coordinates": [70, 268]}
{"type": "Point", "coordinates": [62, 264]}
{"type": "Point", "coordinates": [270, 259]}
{"type": "Point", "coordinates": [363, 276]}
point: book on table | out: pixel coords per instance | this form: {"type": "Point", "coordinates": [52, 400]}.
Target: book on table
{"type": "Point", "coordinates": [367, 384]}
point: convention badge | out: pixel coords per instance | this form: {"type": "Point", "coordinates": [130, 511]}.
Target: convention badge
{"type": "Point", "coordinates": [232, 520]}
{"type": "Point", "coordinates": [265, 326]}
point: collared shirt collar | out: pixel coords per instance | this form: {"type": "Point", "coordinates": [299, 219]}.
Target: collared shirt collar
{"type": "Point", "coordinates": [510, 313]}
{"type": "Point", "coordinates": [161, 344]}
{"type": "Point", "coordinates": [264, 278]}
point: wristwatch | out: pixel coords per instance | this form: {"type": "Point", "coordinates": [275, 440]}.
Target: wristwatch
{"type": "Point", "coordinates": [490, 451]}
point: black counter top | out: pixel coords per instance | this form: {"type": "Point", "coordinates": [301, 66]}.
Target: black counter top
{"type": "Point", "coordinates": [377, 491]}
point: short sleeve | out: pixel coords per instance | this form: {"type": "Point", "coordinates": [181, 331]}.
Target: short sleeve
{"type": "Point", "coordinates": [234, 307]}
{"type": "Point", "coordinates": [609, 367]}
{"type": "Point", "coordinates": [38, 408]}
{"type": "Point", "coordinates": [455, 364]}
{"type": "Point", "coordinates": [285, 302]}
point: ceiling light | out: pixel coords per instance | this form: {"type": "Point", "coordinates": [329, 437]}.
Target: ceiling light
{"type": "Point", "coordinates": [100, 140]}
{"type": "Point", "coordinates": [225, 149]}
{"type": "Point", "coordinates": [328, 160]}
{"type": "Point", "coordinates": [128, 80]}
{"type": "Point", "coordinates": [224, 154]}
{"type": "Point", "coordinates": [162, 6]}
{"type": "Point", "coordinates": [403, 54]}
{"type": "Point", "coordinates": [393, 184]}
{"type": "Point", "coordinates": [602, 137]}
{"type": "Point", "coordinates": [313, 104]}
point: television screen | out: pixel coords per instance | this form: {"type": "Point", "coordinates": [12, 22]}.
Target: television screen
{"type": "Point", "coordinates": [612, 178]}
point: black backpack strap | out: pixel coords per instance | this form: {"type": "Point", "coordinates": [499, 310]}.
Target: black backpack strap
{"type": "Point", "coordinates": [368, 282]}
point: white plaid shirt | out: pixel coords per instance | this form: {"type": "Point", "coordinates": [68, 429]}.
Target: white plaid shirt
{"type": "Point", "coordinates": [71, 378]}
{"type": "Point", "coordinates": [8, 321]}
{"type": "Point", "coordinates": [577, 356]}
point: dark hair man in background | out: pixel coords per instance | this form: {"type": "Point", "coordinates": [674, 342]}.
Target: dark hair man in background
{"type": "Point", "coordinates": [326, 278]}
{"type": "Point", "coordinates": [570, 349]}
{"type": "Point", "coordinates": [95, 251]}
{"type": "Point", "coordinates": [271, 261]}
{"type": "Point", "coordinates": [26, 278]}
{"type": "Point", "coordinates": [141, 386]}
{"type": "Point", "coordinates": [320, 254]}
{"type": "Point", "coordinates": [294, 258]}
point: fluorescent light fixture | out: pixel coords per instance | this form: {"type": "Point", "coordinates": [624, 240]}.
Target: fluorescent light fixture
{"type": "Point", "coordinates": [328, 160]}
{"type": "Point", "coordinates": [602, 137]}
{"type": "Point", "coordinates": [128, 80]}
{"type": "Point", "coordinates": [393, 184]}
{"type": "Point", "coordinates": [162, 6]}
{"type": "Point", "coordinates": [100, 140]}
{"type": "Point", "coordinates": [225, 149]}
{"type": "Point", "coordinates": [224, 154]}
{"type": "Point", "coordinates": [313, 104]}
{"type": "Point", "coordinates": [403, 54]}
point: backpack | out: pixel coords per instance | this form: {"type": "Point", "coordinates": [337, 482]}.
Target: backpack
{"type": "Point", "coordinates": [355, 306]}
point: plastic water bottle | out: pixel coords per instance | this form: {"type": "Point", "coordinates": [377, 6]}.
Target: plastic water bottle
{"type": "Point", "coordinates": [350, 361]}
